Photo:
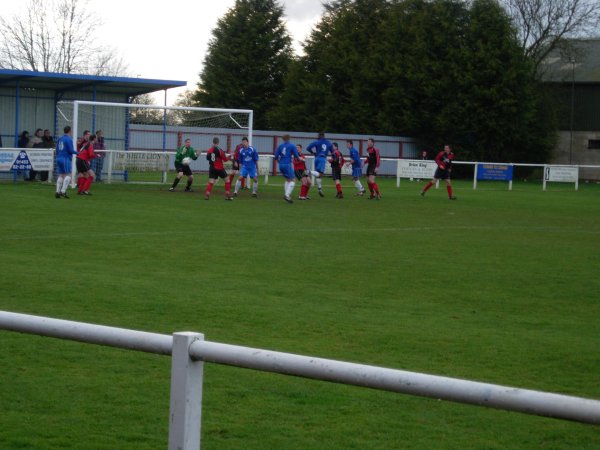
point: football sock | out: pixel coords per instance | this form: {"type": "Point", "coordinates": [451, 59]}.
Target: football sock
{"type": "Point", "coordinates": [80, 182]}
{"type": "Point", "coordinates": [427, 186]}
{"type": "Point", "coordinates": [255, 187]}
{"type": "Point", "coordinates": [238, 184]}
{"type": "Point", "coordinates": [291, 187]}
{"type": "Point", "coordinates": [376, 187]}
{"type": "Point", "coordinates": [231, 175]}
{"type": "Point", "coordinates": [338, 188]}
{"type": "Point", "coordinates": [243, 183]}
{"type": "Point", "coordinates": [370, 187]}
{"type": "Point", "coordinates": [66, 183]}
{"type": "Point", "coordinates": [87, 183]}
{"type": "Point", "coordinates": [59, 184]}
{"type": "Point", "coordinates": [209, 187]}
{"type": "Point", "coordinates": [189, 184]}
{"type": "Point", "coordinates": [227, 188]}
{"type": "Point", "coordinates": [175, 182]}
{"type": "Point", "coordinates": [358, 185]}
{"type": "Point", "coordinates": [449, 189]}
{"type": "Point", "coordinates": [319, 183]}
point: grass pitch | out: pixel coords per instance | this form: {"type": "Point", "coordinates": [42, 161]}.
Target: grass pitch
{"type": "Point", "coordinates": [498, 286]}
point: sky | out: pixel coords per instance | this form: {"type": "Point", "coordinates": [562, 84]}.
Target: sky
{"type": "Point", "coordinates": [151, 36]}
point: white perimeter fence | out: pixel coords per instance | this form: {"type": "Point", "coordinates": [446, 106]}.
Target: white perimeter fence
{"type": "Point", "coordinates": [189, 351]}
{"type": "Point", "coordinates": [122, 166]}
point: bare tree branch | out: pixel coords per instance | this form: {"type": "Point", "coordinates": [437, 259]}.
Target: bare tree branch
{"type": "Point", "coordinates": [57, 36]}
{"type": "Point", "coordinates": [542, 24]}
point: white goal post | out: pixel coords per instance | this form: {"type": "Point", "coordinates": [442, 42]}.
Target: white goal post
{"type": "Point", "coordinates": [140, 140]}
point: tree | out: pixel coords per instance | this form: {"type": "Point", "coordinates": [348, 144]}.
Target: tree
{"type": "Point", "coordinates": [463, 79]}
{"type": "Point", "coordinates": [335, 86]}
{"type": "Point", "coordinates": [441, 71]}
{"type": "Point", "coordinates": [506, 113]}
{"type": "Point", "coordinates": [428, 78]}
{"type": "Point", "coordinates": [543, 24]}
{"type": "Point", "coordinates": [145, 115]}
{"type": "Point", "coordinates": [182, 117]}
{"type": "Point", "coordinates": [247, 59]}
{"type": "Point", "coordinates": [56, 37]}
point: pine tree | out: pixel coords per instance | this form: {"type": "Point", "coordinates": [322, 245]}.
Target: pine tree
{"type": "Point", "coordinates": [247, 60]}
{"type": "Point", "coordinates": [335, 85]}
{"type": "Point", "coordinates": [441, 71]}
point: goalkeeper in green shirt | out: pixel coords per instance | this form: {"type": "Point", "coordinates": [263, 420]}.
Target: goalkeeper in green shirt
{"type": "Point", "coordinates": [183, 158]}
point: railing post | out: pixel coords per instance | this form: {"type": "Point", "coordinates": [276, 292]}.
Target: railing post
{"type": "Point", "coordinates": [186, 394]}
{"type": "Point", "coordinates": [110, 166]}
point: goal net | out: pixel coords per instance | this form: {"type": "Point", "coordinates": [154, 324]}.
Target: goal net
{"type": "Point", "coordinates": [140, 140]}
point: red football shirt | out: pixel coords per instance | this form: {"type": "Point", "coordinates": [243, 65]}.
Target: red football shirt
{"type": "Point", "coordinates": [216, 157]}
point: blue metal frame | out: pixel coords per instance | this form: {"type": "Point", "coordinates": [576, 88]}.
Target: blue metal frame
{"type": "Point", "coordinates": [60, 83]}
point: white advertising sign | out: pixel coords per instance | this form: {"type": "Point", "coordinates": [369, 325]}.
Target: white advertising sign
{"type": "Point", "coordinates": [414, 168]}
{"type": "Point", "coordinates": [7, 158]}
{"type": "Point", "coordinates": [26, 160]}
{"type": "Point", "coordinates": [41, 160]}
{"type": "Point", "coordinates": [141, 162]}
{"type": "Point", "coordinates": [562, 174]}
{"type": "Point", "coordinates": [264, 165]}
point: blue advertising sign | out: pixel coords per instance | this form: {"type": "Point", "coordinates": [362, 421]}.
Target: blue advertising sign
{"type": "Point", "coordinates": [22, 162]}
{"type": "Point", "coordinates": [497, 172]}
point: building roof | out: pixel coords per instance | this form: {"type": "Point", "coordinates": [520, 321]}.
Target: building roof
{"type": "Point", "coordinates": [84, 83]}
{"type": "Point", "coordinates": [575, 60]}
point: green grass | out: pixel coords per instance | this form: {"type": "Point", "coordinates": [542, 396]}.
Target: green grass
{"type": "Point", "coordinates": [499, 286]}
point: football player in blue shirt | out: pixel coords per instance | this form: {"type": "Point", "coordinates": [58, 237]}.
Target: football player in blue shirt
{"type": "Point", "coordinates": [321, 148]}
{"type": "Point", "coordinates": [356, 167]}
{"type": "Point", "coordinates": [248, 159]}
{"type": "Point", "coordinates": [284, 154]}
{"type": "Point", "coordinates": [64, 157]}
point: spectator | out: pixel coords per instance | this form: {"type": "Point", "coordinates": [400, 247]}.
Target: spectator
{"type": "Point", "coordinates": [98, 162]}
{"type": "Point", "coordinates": [23, 139]}
{"type": "Point", "coordinates": [47, 142]}
{"type": "Point", "coordinates": [424, 157]}
{"type": "Point", "coordinates": [35, 142]}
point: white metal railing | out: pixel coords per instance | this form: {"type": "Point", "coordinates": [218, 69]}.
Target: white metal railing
{"type": "Point", "coordinates": [189, 351]}
{"type": "Point", "coordinates": [427, 172]}
{"type": "Point", "coordinates": [268, 167]}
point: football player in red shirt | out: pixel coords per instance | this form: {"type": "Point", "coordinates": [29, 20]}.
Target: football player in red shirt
{"type": "Point", "coordinates": [85, 174]}
{"type": "Point", "coordinates": [337, 162]}
{"type": "Point", "coordinates": [302, 174]}
{"type": "Point", "coordinates": [216, 157]}
{"type": "Point", "coordinates": [372, 163]}
{"type": "Point", "coordinates": [444, 163]}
